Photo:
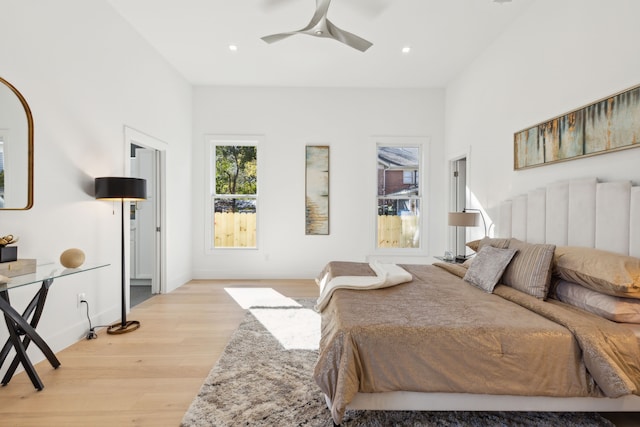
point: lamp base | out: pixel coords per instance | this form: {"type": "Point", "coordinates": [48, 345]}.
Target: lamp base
{"type": "Point", "coordinates": [123, 328]}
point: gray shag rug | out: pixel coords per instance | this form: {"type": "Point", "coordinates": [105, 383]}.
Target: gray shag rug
{"type": "Point", "coordinates": [258, 382]}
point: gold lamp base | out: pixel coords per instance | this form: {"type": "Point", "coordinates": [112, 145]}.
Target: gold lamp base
{"type": "Point", "coordinates": [123, 328]}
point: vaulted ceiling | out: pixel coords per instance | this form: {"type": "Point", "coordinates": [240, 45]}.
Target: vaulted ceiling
{"type": "Point", "coordinates": [195, 36]}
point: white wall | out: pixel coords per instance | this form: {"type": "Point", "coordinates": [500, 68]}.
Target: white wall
{"type": "Point", "coordinates": [559, 56]}
{"type": "Point", "coordinates": [290, 118]}
{"type": "Point", "coordinates": [85, 74]}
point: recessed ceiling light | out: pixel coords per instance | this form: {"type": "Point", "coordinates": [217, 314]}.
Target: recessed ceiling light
{"type": "Point", "coordinates": [406, 49]}
{"type": "Point", "coordinates": [233, 47]}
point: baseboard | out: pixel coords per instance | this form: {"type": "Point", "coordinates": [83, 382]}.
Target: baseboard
{"type": "Point", "coordinates": [66, 337]}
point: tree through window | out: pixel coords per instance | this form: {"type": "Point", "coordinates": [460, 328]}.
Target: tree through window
{"type": "Point", "coordinates": [235, 195]}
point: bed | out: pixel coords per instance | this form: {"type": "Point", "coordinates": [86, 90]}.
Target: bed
{"type": "Point", "coordinates": [493, 334]}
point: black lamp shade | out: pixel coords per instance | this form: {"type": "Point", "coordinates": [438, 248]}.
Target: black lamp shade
{"type": "Point", "coordinates": [120, 188]}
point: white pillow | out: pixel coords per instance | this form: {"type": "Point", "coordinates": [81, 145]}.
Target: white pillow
{"type": "Point", "coordinates": [488, 266]}
{"type": "Point", "coordinates": [618, 309]}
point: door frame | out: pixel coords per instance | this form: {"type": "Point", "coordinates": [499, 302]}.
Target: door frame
{"type": "Point", "coordinates": [457, 201]}
{"type": "Point", "coordinates": [135, 137]}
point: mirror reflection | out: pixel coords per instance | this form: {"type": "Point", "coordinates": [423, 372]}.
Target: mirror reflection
{"type": "Point", "coordinates": [16, 149]}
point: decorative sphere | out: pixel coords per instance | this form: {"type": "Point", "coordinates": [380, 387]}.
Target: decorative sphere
{"type": "Point", "coordinates": [72, 258]}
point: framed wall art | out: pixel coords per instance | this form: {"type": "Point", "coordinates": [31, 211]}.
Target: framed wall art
{"type": "Point", "coordinates": [610, 124]}
{"type": "Point", "coordinates": [317, 190]}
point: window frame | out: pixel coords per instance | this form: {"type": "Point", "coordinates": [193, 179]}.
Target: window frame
{"type": "Point", "coordinates": [211, 142]}
{"type": "Point", "coordinates": [422, 143]}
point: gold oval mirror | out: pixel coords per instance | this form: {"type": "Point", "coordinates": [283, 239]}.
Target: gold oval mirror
{"type": "Point", "coordinates": [16, 149]}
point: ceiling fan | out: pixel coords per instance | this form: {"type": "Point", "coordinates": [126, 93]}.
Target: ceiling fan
{"type": "Point", "coordinates": [320, 26]}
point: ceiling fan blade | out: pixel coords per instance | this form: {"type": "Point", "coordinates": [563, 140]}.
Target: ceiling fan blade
{"type": "Point", "coordinates": [316, 23]}
{"type": "Point", "coordinates": [277, 37]}
{"type": "Point", "coordinates": [322, 6]}
{"type": "Point", "coordinates": [348, 38]}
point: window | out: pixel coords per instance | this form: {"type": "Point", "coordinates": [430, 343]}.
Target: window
{"type": "Point", "coordinates": [234, 193]}
{"type": "Point", "coordinates": [410, 177]}
{"type": "Point", "coordinates": [399, 197]}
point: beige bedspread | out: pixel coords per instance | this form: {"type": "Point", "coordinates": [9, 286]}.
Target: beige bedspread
{"type": "Point", "coordinates": [444, 335]}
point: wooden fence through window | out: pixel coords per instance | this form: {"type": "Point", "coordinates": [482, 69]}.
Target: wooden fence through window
{"type": "Point", "coordinates": [398, 231]}
{"type": "Point", "coordinates": [238, 230]}
{"type": "Point", "coordinates": [234, 230]}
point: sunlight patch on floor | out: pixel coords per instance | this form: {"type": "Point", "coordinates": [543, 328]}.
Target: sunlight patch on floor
{"type": "Point", "coordinates": [294, 328]}
{"type": "Point", "coordinates": [260, 297]}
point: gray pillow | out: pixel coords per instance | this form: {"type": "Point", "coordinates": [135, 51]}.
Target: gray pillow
{"type": "Point", "coordinates": [486, 269]}
{"type": "Point", "coordinates": [476, 245]}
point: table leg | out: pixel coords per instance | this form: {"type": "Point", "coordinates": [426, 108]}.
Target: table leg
{"type": "Point", "coordinates": [17, 326]}
{"type": "Point", "coordinates": [25, 315]}
{"type": "Point", "coordinates": [21, 356]}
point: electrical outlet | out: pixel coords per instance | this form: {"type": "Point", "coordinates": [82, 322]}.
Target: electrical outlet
{"type": "Point", "coordinates": [81, 297]}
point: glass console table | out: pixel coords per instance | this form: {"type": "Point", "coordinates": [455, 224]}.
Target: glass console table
{"type": "Point", "coordinates": [22, 330]}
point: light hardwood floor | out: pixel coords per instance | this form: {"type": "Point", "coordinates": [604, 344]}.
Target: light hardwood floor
{"type": "Point", "coordinates": [144, 378]}
{"type": "Point", "coordinates": [150, 376]}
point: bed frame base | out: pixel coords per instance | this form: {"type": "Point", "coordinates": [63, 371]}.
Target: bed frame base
{"type": "Point", "coordinates": [414, 401]}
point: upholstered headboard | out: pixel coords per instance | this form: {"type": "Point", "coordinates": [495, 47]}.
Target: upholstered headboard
{"type": "Point", "coordinates": [582, 212]}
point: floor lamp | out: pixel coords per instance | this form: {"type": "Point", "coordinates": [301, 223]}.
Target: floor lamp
{"type": "Point", "coordinates": [122, 189]}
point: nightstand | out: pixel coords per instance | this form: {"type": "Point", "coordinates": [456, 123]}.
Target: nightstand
{"type": "Point", "coordinates": [452, 261]}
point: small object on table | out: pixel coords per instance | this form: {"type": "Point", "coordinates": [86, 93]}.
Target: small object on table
{"type": "Point", "coordinates": [72, 258]}
{"type": "Point", "coordinates": [8, 253]}
{"type": "Point", "coordinates": [18, 267]}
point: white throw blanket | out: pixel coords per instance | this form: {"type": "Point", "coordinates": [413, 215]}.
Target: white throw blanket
{"type": "Point", "coordinates": [386, 275]}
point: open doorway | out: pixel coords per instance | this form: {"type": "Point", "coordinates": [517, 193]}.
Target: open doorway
{"type": "Point", "coordinates": [458, 202]}
{"type": "Point", "coordinates": [142, 237]}
{"type": "Point", "coordinates": [146, 231]}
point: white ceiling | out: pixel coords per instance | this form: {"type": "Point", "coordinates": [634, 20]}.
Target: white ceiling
{"type": "Point", "coordinates": [444, 35]}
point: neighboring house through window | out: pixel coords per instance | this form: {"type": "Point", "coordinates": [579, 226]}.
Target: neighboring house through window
{"type": "Point", "coordinates": [399, 196]}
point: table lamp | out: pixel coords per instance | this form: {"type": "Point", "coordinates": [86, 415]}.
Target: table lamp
{"type": "Point", "coordinates": [464, 219]}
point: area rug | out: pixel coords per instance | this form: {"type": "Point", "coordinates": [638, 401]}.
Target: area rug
{"type": "Point", "coordinates": [261, 381]}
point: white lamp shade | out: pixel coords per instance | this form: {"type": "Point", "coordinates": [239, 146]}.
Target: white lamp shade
{"type": "Point", "coordinates": [463, 219]}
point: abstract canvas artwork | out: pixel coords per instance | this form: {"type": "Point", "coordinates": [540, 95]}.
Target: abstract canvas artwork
{"type": "Point", "coordinates": [529, 149]}
{"type": "Point", "coordinates": [613, 123]}
{"type": "Point", "coordinates": [317, 190]}
{"type": "Point", "coordinates": [610, 124]}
